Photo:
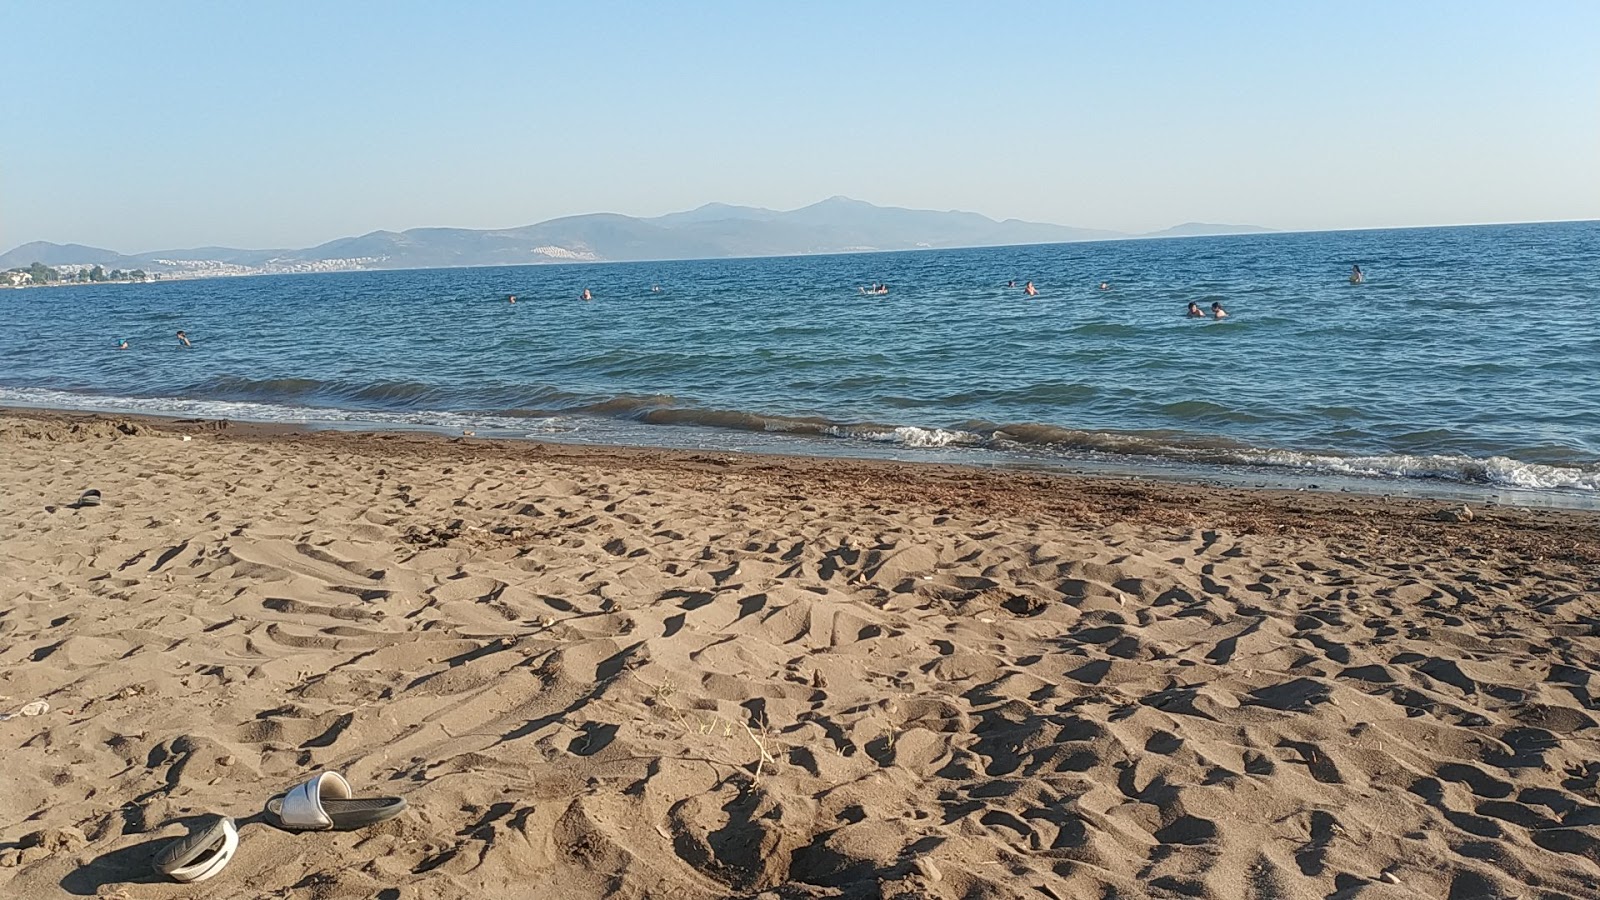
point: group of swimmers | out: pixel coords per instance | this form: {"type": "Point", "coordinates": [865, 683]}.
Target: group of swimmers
{"type": "Point", "coordinates": [183, 339]}
{"type": "Point", "coordinates": [1195, 312]}
{"type": "Point", "coordinates": [512, 298]}
{"type": "Point", "coordinates": [586, 295]}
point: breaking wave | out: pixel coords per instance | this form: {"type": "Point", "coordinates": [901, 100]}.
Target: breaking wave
{"type": "Point", "coordinates": [568, 413]}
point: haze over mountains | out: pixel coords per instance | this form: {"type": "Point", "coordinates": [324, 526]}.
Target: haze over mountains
{"type": "Point", "coordinates": [835, 225]}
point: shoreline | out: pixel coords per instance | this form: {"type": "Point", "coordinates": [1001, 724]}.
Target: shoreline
{"type": "Point", "coordinates": [638, 672]}
{"type": "Point", "coordinates": [1021, 486]}
{"type": "Point", "coordinates": [1117, 467]}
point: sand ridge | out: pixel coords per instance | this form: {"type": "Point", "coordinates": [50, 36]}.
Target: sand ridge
{"type": "Point", "coordinates": [697, 675]}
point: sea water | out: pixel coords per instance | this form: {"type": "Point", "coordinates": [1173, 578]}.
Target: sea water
{"type": "Point", "coordinates": [1470, 355]}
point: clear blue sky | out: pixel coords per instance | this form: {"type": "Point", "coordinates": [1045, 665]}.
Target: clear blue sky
{"type": "Point", "coordinates": [143, 126]}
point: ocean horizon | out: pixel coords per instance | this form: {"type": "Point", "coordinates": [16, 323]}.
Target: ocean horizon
{"type": "Point", "coordinates": [1468, 360]}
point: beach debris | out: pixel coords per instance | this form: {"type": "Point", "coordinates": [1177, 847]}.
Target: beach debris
{"type": "Point", "coordinates": [1390, 877]}
{"type": "Point", "coordinates": [1454, 514]}
{"type": "Point", "coordinates": [187, 438]}
{"type": "Point", "coordinates": [32, 708]}
{"type": "Point", "coordinates": [761, 745]}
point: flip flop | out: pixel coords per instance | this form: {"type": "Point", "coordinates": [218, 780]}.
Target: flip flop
{"type": "Point", "coordinates": [323, 802]}
{"type": "Point", "coordinates": [91, 497]}
{"type": "Point", "coordinates": [200, 854]}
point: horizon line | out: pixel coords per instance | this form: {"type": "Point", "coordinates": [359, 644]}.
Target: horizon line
{"type": "Point", "coordinates": [1120, 235]}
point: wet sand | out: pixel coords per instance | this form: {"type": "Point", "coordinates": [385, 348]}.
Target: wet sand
{"type": "Point", "coordinates": [636, 673]}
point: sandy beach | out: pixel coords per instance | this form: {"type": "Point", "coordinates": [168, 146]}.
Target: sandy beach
{"type": "Point", "coordinates": [632, 673]}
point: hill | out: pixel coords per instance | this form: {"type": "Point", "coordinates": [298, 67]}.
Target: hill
{"type": "Point", "coordinates": [715, 230]}
{"type": "Point", "coordinates": [1205, 229]}
{"type": "Point", "coordinates": [66, 255]}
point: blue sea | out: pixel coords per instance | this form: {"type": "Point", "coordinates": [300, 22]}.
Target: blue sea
{"type": "Point", "coordinates": [1470, 357]}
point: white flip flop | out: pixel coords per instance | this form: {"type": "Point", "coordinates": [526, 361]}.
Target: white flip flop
{"type": "Point", "coordinates": [201, 853]}
{"type": "Point", "coordinates": [324, 802]}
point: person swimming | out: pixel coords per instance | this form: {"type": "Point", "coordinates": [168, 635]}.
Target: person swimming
{"type": "Point", "coordinates": [184, 339]}
{"type": "Point", "coordinates": [512, 299]}
{"type": "Point", "coordinates": [1356, 276]}
{"type": "Point", "coordinates": [587, 295]}
{"type": "Point", "coordinates": [122, 343]}
{"type": "Point", "coordinates": [1030, 290]}
{"type": "Point", "coordinates": [1195, 312]}
{"type": "Point", "coordinates": [1011, 284]}
{"type": "Point", "coordinates": [1218, 311]}
{"type": "Point", "coordinates": [882, 289]}
{"type": "Point", "coordinates": [1105, 285]}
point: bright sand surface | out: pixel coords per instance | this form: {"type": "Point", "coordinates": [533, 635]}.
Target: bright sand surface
{"type": "Point", "coordinates": [599, 672]}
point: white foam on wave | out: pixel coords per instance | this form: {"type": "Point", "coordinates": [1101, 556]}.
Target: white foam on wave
{"type": "Point", "coordinates": [548, 425]}
{"type": "Point", "coordinates": [912, 436]}
{"type": "Point", "coordinates": [252, 412]}
{"type": "Point", "coordinates": [1495, 470]}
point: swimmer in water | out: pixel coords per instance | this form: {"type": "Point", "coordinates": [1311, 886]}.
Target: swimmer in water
{"type": "Point", "coordinates": [1011, 284]}
{"type": "Point", "coordinates": [1030, 290]}
{"type": "Point", "coordinates": [1356, 277]}
{"type": "Point", "coordinates": [883, 289]}
{"type": "Point", "coordinates": [184, 339]}
{"type": "Point", "coordinates": [122, 344]}
{"type": "Point", "coordinates": [587, 295]}
{"type": "Point", "coordinates": [1105, 285]}
{"type": "Point", "coordinates": [1195, 312]}
{"type": "Point", "coordinates": [1218, 311]}
{"type": "Point", "coordinates": [512, 299]}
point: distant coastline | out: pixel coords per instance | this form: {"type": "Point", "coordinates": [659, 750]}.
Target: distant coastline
{"type": "Point", "coordinates": [714, 231]}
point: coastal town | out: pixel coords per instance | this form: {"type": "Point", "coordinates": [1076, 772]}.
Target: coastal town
{"type": "Point", "coordinates": [40, 275]}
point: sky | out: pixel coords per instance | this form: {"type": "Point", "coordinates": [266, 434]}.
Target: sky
{"type": "Point", "coordinates": [166, 125]}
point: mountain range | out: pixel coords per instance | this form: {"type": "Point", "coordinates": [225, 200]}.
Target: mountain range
{"type": "Point", "coordinates": [835, 225]}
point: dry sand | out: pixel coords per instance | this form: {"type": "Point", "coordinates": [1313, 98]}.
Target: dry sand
{"type": "Point", "coordinates": [648, 674]}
